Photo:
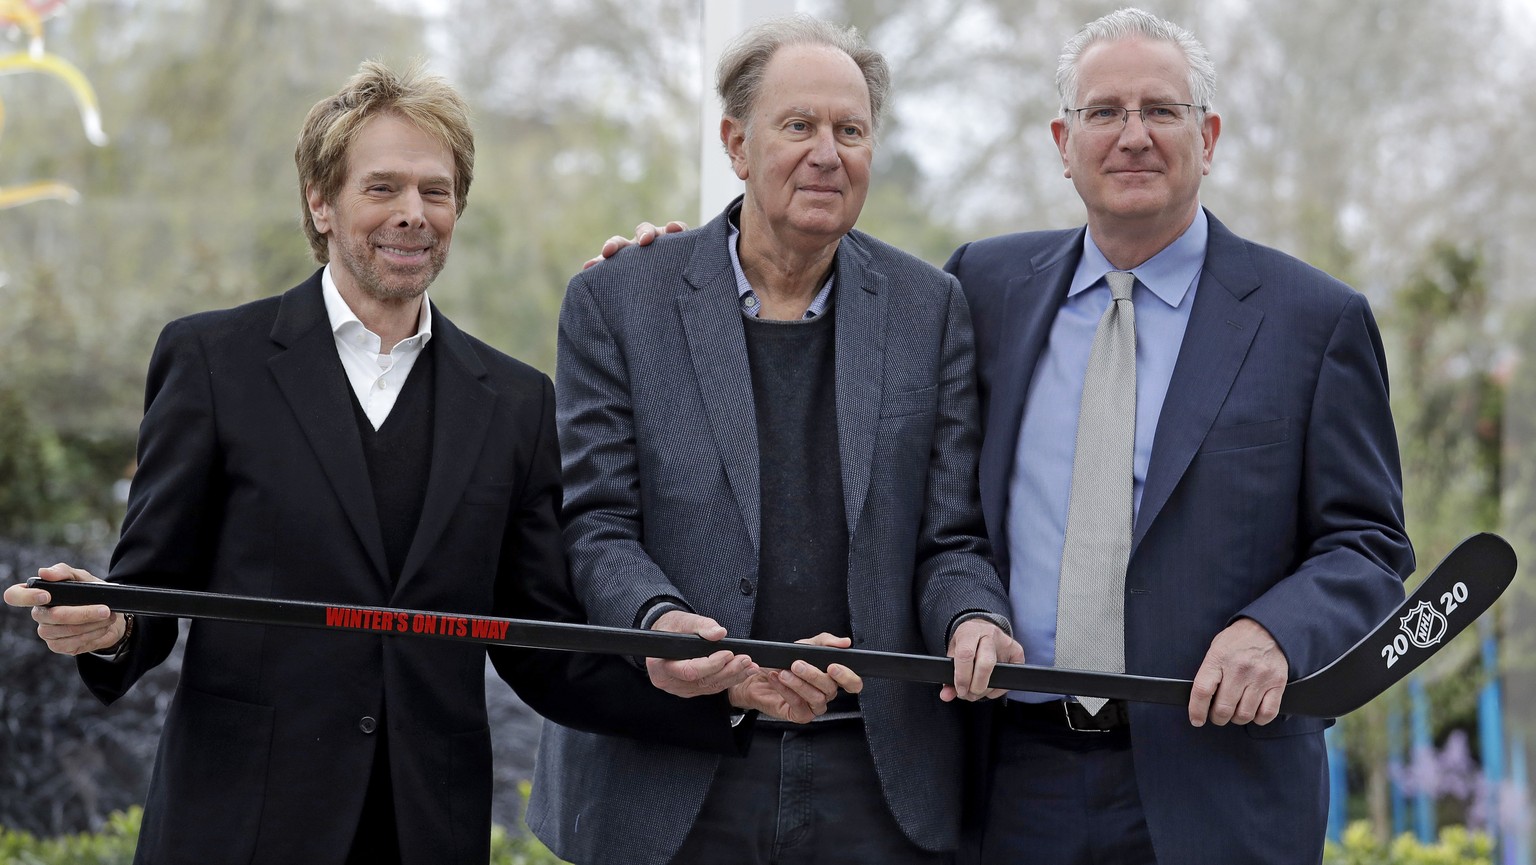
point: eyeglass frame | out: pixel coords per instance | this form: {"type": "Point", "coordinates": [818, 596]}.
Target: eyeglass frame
{"type": "Point", "coordinates": [1125, 115]}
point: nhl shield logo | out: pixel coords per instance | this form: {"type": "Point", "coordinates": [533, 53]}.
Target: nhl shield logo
{"type": "Point", "coordinates": [1424, 626]}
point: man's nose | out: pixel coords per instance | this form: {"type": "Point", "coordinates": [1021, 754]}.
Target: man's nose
{"type": "Point", "coordinates": [410, 209]}
{"type": "Point", "coordinates": [824, 153]}
{"type": "Point", "coordinates": [1134, 135]}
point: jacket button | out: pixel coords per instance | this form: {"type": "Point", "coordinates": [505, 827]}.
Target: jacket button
{"type": "Point", "coordinates": [368, 724]}
{"type": "Point", "coordinates": [746, 587]}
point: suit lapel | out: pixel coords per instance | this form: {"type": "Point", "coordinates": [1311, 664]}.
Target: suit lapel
{"type": "Point", "coordinates": [711, 319]}
{"type": "Point", "coordinates": [461, 419]}
{"type": "Point", "coordinates": [1221, 328]}
{"type": "Point", "coordinates": [310, 376]}
{"type": "Point", "coordinates": [1031, 302]}
{"type": "Point", "coordinates": [860, 303]}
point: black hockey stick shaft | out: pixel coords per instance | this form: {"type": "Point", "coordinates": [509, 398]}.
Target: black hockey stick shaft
{"type": "Point", "coordinates": [563, 636]}
{"type": "Point", "coordinates": [1482, 566]}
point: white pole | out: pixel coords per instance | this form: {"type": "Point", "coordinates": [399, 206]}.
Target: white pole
{"type": "Point", "coordinates": [723, 20]}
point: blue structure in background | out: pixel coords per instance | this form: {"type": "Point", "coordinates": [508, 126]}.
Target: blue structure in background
{"type": "Point", "coordinates": [1423, 754]}
{"type": "Point", "coordinates": [1490, 735]}
{"type": "Point", "coordinates": [1517, 850]}
{"type": "Point", "coordinates": [1395, 766]}
{"type": "Point", "coordinates": [1338, 788]}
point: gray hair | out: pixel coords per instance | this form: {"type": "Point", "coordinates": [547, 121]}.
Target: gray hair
{"type": "Point", "coordinates": [1127, 24]}
{"type": "Point", "coordinates": [739, 77]}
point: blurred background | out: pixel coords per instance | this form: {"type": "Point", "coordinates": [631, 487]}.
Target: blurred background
{"type": "Point", "coordinates": [146, 172]}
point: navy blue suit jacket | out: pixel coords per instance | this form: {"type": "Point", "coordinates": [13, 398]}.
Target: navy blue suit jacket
{"type": "Point", "coordinates": [1274, 492]}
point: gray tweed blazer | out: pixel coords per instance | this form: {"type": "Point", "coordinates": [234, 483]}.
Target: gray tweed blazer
{"type": "Point", "coordinates": [659, 447]}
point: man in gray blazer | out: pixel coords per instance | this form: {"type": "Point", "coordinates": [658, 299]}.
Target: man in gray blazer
{"type": "Point", "coordinates": [769, 428]}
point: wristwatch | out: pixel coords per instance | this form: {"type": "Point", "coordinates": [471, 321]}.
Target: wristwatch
{"type": "Point", "coordinates": [121, 646]}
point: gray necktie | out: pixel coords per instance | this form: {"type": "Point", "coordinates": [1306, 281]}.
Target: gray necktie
{"type": "Point", "coordinates": [1090, 611]}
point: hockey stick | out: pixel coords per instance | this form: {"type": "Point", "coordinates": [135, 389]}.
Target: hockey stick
{"type": "Point", "coordinates": [1465, 584]}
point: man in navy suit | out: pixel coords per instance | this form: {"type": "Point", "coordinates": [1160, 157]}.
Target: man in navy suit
{"type": "Point", "coordinates": [1267, 534]}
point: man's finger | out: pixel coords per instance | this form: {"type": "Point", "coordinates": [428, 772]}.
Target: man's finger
{"type": "Point", "coordinates": [826, 639]}
{"type": "Point", "coordinates": [786, 703]}
{"type": "Point", "coordinates": [75, 640]}
{"type": "Point", "coordinates": [21, 596]}
{"type": "Point", "coordinates": [1224, 704]}
{"type": "Point", "coordinates": [1009, 652]}
{"type": "Point", "coordinates": [810, 684]}
{"type": "Point", "coordinates": [1206, 682]}
{"type": "Point", "coordinates": [845, 678]}
{"type": "Point", "coordinates": [1247, 706]}
{"type": "Point", "coordinates": [680, 622]}
{"type": "Point", "coordinates": [1269, 707]}
{"type": "Point", "coordinates": [981, 669]}
{"type": "Point", "coordinates": [72, 616]}
{"type": "Point", "coordinates": [965, 662]}
{"type": "Point", "coordinates": [694, 670]}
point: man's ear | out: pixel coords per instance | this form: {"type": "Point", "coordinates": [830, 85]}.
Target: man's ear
{"type": "Point", "coordinates": [319, 209]}
{"type": "Point", "coordinates": [1059, 131]}
{"type": "Point", "coordinates": [733, 134]}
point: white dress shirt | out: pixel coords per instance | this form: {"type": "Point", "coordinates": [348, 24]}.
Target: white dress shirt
{"type": "Point", "coordinates": [376, 378]}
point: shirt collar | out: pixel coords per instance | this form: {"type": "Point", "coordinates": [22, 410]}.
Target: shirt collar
{"type": "Point", "coordinates": [343, 320]}
{"type": "Point", "coordinates": [1169, 274]}
{"type": "Point", "coordinates": [744, 292]}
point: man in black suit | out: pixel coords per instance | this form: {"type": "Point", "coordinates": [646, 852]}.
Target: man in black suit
{"type": "Point", "coordinates": [344, 442]}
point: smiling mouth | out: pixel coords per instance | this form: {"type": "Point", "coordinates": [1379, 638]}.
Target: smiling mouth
{"type": "Point", "coordinates": [402, 252]}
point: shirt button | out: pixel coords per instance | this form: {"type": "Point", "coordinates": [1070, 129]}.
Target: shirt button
{"type": "Point", "coordinates": [750, 302]}
{"type": "Point", "coordinates": [382, 384]}
{"type": "Point", "coordinates": [746, 587]}
{"type": "Point", "coordinates": [368, 724]}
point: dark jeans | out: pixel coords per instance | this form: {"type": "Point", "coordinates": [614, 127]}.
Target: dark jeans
{"type": "Point", "coordinates": [802, 796]}
{"type": "Point", "coordinates": [1064, 798]}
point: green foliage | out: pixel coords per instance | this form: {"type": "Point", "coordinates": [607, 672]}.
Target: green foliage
{"type": "Point", "coordinates": [520, 848]}
{"type": "Point", "coordinates": [1456, 846]}
{"type": "Point", "coordinates": [55, 487]}
{"type": "Point", "coordinates": [114, 844]}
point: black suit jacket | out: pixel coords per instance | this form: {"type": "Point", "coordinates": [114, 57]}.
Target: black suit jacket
{"type": "Point", "coordinates": [252, 481]}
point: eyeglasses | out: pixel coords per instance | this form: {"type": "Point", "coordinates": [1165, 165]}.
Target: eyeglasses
{"type": "Point", "coordinates": [1159, 116]}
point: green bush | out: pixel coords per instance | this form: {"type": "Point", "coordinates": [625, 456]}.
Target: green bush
{"type": "Point", "coordinates": [1456, 846]}
{"type": "Point", "coordinates": [114, 844]}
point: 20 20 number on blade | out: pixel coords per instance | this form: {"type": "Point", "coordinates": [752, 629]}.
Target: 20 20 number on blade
{"type": "Point", "coordinates": [1461, 588]}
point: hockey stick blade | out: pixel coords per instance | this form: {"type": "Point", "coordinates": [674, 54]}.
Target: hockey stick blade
{"type": "Point", "coordinates": [1461, 588]}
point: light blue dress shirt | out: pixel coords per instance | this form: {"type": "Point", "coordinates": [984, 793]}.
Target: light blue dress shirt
{"type": "Point", "coordinates": [749, 302]}
{"type": "Point", "coordinates": [1042, 467]}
